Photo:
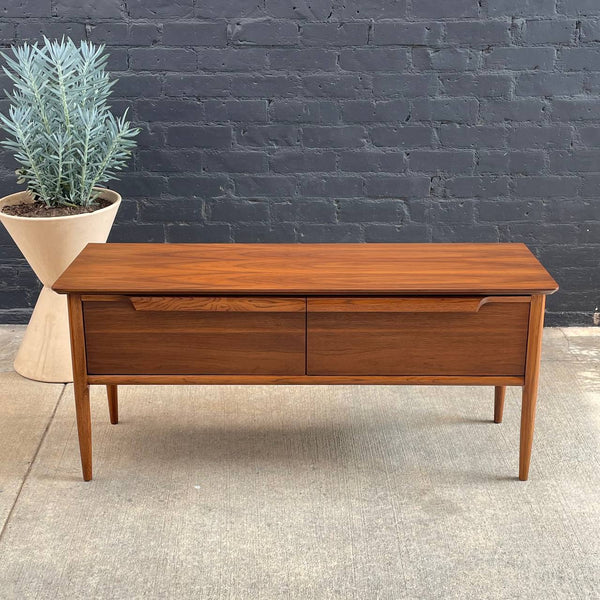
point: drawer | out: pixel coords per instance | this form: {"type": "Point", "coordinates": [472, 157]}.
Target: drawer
{"type": "Point", "coordinates": [473, 336]}
{"type": "Point", "coordinates": [194, 335]}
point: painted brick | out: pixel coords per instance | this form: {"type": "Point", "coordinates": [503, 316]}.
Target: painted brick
{"type": "Point", "coordinates": [478, 187]}
{"type": "Point", "coordinates": [434, 9]}
{"type": "Point", "coordinates": [169, 161]}
{"type": "Point", "coordinates": [373, 162]}
{"type": "Point", "coordinates": [551, 31]}
{"type": "Point", "coordinates": [409, 86]}
{"type": "Point", "coordinates": [294, 111]}
{"type": "Point", "coordinates": [415, 186]}
{"type": "Point", "coordinates": [218, 9]}
{"type": "Point", "coordinates": [530, 109]}
{"type": "Point", "coordinates": [370, 9]}
{"type": "Point", "coordinates": [513, 210]}
{"type": "Point", "coordinates": [579, 7]}
{"type": "Point", "coordinates": [402, 136]}
{"type": "Point", "coordinates": [162, 59]}
{"type": "Point", "coordinates": [170, 110]}
{"type": "Point", "coordinates": [304, 211]}
{"type": "Point", "coordinates": [373, 59]}
{"type": "Point", "coordinates": [364, 111]}
{"type": "Point", "coordinates": [333, 34]}
{"type": "Point", "coordinates": [445, 59]}
{"type": "Point", "coordinates": [198, 233]}
{"type": "Point", "coordinates": [456, 110]}
{"type": "Point", "coordinates": [229, 209]}
{"type": "Point", "coordinates": [579, 59]}
{"type": "Point", "coordinates": [152, 9]}
{"type": "Point", "coordinates": [590, 30]}
{"type": "Point", "coordinates": [521, 58]}
{"type": "Point", "coordinates": [459, 136]}
{"type": "Point", "coordinates": [339, 233]}
{"type": "Point", "coordinates": [311, 59]}
{"type": "Point", "coordinates": [264, 186]}
{"type": "Point", "coordinates": [353, 120]}
{"type": "Point", "coordinates": [338, 86]}
{"type": "Point", "coordinates": [549, 84]}
{"type": "Point", "coordinates": [580, 161]}
{"type": "Point", "coordinates": [546, 187]}
{"type": "Point", "coordinates": [268, 135]}
{"type": "Point", "coordinates": [309, 10]}
{"type": "Point", "coordinates": [526, 136]}
{"type": "Point", "coordinates": [521, 8]}
{"type": "Point", "coordinates": [296, 161]}
{"type": "Point", "coordinates": [33, 31]}
{"type": "Point", "coordinates": [249, 111]}
{"type": "Point", "coordinates": [478, 33]}
{"type": "Point", "coordinates": [444, 161]}
{"type": "Point", "coordinates": [231, 59]}
{"type": "Point", "coordinates": [399, 33]}
{"type": "Point", "coordinates": [199, 136]}
{"type": "Point", "coordinates": [329, 186]}
{"type": "Point", "coordinates": [134, 86]}
{"type": "Point", "coordinates": [103, 9]}
{"type": "Point", "coordinates": [195, 34]}
{"type": "Point", "coordinates": [201, 187]}
{"type": "Point", "coordinates": [261, 86]}
{"type": "Point", "coordinates": [264, 32]}
{"type": "Point", "coordinates": [576, 110]}
{"type": "Point", "coordinates": [236, 162]}
{"type": "Point", "coordinates": [406, 233]}
{"type": "Point", "coordinates": [196, 85]}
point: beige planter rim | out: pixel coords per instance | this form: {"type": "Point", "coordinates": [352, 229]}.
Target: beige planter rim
{"type": "Point", "coordinates": [18, 197]}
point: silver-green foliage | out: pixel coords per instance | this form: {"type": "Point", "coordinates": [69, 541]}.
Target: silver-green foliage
{"type": "Point", "coordinates": [59, 123]}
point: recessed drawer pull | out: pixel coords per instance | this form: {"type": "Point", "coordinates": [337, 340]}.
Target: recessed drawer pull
{"type": "Point", "coordinates": [217, 304]}
{"type": "Point", "coordinates": [450, 304]}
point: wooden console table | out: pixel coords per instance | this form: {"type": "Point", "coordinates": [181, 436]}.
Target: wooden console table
{"type": "Point", "coordinates": [440, 314]}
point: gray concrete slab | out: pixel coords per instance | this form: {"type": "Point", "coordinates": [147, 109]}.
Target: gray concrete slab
{"type": "Point", "coordinates": [10, 338]}
{"type": "Point", "coordinates": [26, 408]}
{"type": "Point", "coordinates": [318, 492]}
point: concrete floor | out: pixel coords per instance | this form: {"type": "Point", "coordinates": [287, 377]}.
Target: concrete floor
{"type": "Point", "coordinates": [304, 492]}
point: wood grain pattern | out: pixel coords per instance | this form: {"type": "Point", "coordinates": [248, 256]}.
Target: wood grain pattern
{"type": "Point", "coordinates": [122, 340]}
{"type": "Point", "coordinates": [415, 304]}
{"type": "Point", "coordinates": [81, 387]}
{"type": "Point", "coordinates": [306, 269]}
{"type": "Point", "coordinates": [301, 380]}
{"type": "Point", "coordinates": [113, 403]}
{"type": "Point", "coordinates": [530, 389]}
{"type": "Point", "coordinates": [489, 342]}
{"type": "Point", "coordinates": [218, 304]}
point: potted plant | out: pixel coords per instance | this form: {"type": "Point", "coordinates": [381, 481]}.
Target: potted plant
{"type": "Point", "coordinates": [67, 144]}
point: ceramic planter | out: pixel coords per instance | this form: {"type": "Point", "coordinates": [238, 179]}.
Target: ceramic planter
{"type": "Point", "coordinates": [50, 245]}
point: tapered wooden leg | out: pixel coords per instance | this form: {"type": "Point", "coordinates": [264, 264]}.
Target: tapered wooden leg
{"type": "Point", "coordinates": [527, 427]}
{"type": "Point", "coordinates": [530, 389]}
{"type": "Point", "coordinates": [499, 392]}
{"type": "Point", "coordinates": [80, 385]}
{"type": "Point", "coordinates": [113, 403]}
{"type": "Point", "coordinates": [84, 428]}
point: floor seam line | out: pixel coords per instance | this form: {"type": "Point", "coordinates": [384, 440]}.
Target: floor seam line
{"type": "Point", "coordinates": [35, 455]}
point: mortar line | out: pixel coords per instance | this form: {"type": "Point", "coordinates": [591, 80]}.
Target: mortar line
{"type": "Point", "coordinates": [35, 455]}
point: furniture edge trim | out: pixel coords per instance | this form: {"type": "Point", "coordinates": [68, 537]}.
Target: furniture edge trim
{"type": "Point", "coordinates": [491, 380]}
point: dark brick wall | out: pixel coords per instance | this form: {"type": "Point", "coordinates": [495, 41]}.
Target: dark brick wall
{"type": "Point", "coordinates": [349, 120]}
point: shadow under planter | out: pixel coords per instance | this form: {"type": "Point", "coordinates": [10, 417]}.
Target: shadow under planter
{"type": "Point", "coordinates": [49, 244]}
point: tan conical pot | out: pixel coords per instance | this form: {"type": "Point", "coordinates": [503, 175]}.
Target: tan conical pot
{"type": "Point", "coordinates": [49, 246]}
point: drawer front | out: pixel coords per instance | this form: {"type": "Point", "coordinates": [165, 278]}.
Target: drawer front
{"type": "Point", "coordinates": [145, 335]}
{"type": "Point", "coordinates": [417, 336]}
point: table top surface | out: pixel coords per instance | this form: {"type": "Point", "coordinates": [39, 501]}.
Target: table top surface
{"type": "Point", "coordinates": [306, 269]}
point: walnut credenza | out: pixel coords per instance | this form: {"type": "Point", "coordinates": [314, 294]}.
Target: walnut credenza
{"type": "Point", "coordinates": [433, 314]}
